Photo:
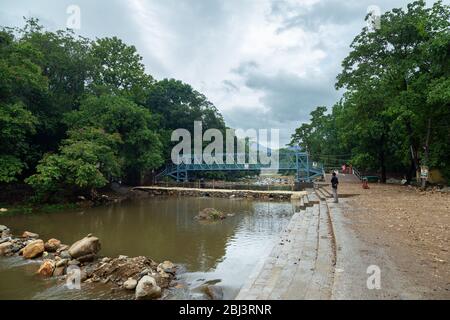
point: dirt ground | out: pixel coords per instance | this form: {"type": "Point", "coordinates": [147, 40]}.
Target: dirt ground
{"type": "Point", "coordinates": [412, 226]}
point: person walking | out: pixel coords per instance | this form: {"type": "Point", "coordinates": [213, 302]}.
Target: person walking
{"type": "Point", "coordinates": [334, 186]}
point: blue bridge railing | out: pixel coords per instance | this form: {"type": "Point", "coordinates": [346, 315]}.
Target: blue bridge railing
{"type": "Point", "coordinates": [299, 162]}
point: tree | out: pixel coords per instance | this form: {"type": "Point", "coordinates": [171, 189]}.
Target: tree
{"type": "Point", "coordinates": [118, 68]}
{"type": "Point", "coordinates": [16, 124]}
{"type": "Point", "coordinates": [389, 74]}
{"type": "Point", "coordinates": [87, 160]}
{"type": "Point", "coordinates": [63, 96]}
{"type": "Point", "coordinates": [20, 80]}
{"type": "Point", "coordinates": [141, 148]}
{"type": "Point", "coordinates": [53, 69]}
{"type": "Point", "coordinates": [178, 105]}
{"type": "Point", "coordinates": [319, 137]}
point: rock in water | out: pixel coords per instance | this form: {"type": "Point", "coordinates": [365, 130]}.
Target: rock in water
{"type": "Point", "coordinates": [87, 245]}
{"type": "Point", "coordinates": [166, 266]}
{"type": "Point", "coordinates": [3, 228]}
{"type": "Point", "coordinates": [61, 263]}
{"type": "Point", "coordinates": [214, 292]}
{"type": "Point", "coordinates": [28, 234]}
{"type": "Point", "coordinates": [62, 247]}
{"type": "Point", "coordinates": [59, 271]}
{"type": "Point", "coordinates": [33, 249]}
{"type": "Point", "coordinates": [87, 258]}
{"type": "Point", "coordinates": [5, 247]}
{"type": "Point", "coordinates": [52, 245]}
{"type": "Point", "coordinates": [130, 284]}
{"type": "Point", "coordinates": [5, 233]}
{"type": "Point", "coordinates": [210, 214]}
{"type": "Point", "coordinates": [46, 268]}
{"type": "Point", "coordinates": [147, 288]}
{"type": "Point", "coordinates": [65, 255]}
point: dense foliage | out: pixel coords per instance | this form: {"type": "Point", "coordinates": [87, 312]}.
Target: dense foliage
{"type": "Point", "coordinates": [394, 115]}
{"type": "Point", "coordinates": [76, 114]}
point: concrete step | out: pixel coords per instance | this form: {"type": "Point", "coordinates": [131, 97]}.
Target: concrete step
{"type": "Point", "coordinates": [300, 264]}
{"type": "Point", "coordinates": [287, 250]}
{"type": "Point", "coordinates": [319, 194]}
{"type": "Point", "coordinates": [292, 259]}
{"type": "Point", "coordinates": [304, 272]}
{"type": "Point", "coordinates": [306, 201]}
{"type": "Point", "coordinates": [298, 204]}
{"type": "Point", "coordinates": [313, 198]}
{"type": "Point", "coordinates": [265, 275]}
{"type": "Point", "coordinates": [326, 192]}
{"type": "Point", "coordinates": [321, 285]}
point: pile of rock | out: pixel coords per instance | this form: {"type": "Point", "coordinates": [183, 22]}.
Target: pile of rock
{"type": "Point", "coordinates": [211, 214]}
{"type": "Point", "coordinates": [27, 245]}
{"type": "Point", "coordinates": [141, 274]}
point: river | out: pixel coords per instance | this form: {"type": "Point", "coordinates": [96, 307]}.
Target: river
{"type": "Point", "coordinates": [223, 252]}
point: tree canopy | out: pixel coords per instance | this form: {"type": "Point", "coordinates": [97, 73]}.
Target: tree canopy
{"type": "Point", "coordinates": [77, 113]}
{"type": "Point", "coordinates": [394, 115]}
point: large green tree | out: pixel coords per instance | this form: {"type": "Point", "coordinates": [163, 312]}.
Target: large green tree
{"type": "Point", "coordinates": [65, 100]}
{"type": "Point", "coordinates": [178, 105]}
{"type": "Point", "coordinates": [87, 159]}
{"type": "Point", "coordinates": [118, 68]}
{"type": "Point", "coordinates": [141, 148]}
{"type": "Point", "coordinates": [394, 115]}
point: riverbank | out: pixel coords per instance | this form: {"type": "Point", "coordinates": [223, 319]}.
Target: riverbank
{"type": "Point", "coordinates": [219, 253]}
{"type": "Point", "coordinates": [18, 199]}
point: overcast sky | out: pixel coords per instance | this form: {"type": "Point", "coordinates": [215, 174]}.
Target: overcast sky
{"type": "Point", "coordinates": [263, 63]}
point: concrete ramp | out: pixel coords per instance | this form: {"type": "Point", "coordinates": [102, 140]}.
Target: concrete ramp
{"type": "Point", "coordinates": [300, 265]}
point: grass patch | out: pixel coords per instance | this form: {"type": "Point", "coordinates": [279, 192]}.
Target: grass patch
{"type": "Point", "coordinates": [33, 208]}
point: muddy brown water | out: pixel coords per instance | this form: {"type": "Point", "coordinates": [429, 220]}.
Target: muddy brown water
{"type": "Point", "coordinates": [223, 252]}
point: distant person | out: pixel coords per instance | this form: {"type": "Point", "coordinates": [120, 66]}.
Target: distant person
{"type": "Point", "coordinates": [334, 186]}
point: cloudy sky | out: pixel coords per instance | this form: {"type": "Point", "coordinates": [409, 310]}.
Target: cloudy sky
{"type": "Point", "coordinates": [263, 63]}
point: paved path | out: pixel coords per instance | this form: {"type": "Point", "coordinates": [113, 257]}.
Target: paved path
{"type": "Point", "coordinates": [320, 256]}
{"type": "Point", "coordinates": [300, 265]}
{"type": "Point", "coordinates": [354, 256]}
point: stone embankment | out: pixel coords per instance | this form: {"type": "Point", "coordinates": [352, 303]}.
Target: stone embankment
{"type": "Point", "coordinates": [301, 263]}
{"type": "Point", "coordinates": [219, 193]}
{"type": "Point", "coordinates": [80, 263]}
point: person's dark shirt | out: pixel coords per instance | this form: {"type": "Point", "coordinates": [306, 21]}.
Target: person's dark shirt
{"type": "Point", "coordinates": [334, 182]}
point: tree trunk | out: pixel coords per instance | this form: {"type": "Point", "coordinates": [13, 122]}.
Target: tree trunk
{"type": "Point", "coordinates": [383, 173]}
{"type": "Point", "coordinates": [411, 172]}
{"type": "Point", "coordinates": [413, 148]}
{"type": "Point", "coordinates": [383, 166]}
{"type": "Point", "coordinates": [426, 149]}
